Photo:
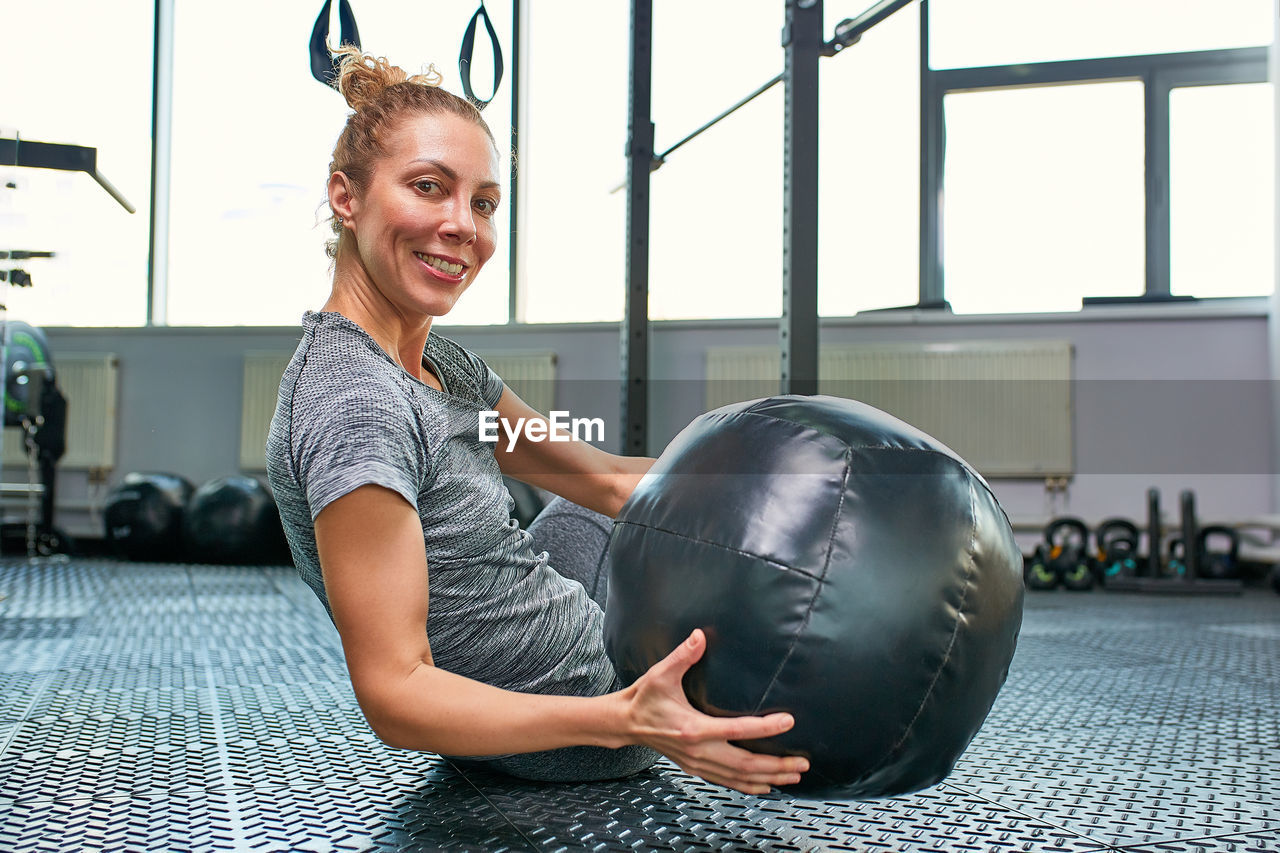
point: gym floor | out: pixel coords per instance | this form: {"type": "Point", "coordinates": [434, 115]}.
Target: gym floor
{"type": "Point", "coordinates": [192, 708]}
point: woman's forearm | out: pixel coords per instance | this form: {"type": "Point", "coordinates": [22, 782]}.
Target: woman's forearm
{"type": "Point", "coordinates": [434, 710]}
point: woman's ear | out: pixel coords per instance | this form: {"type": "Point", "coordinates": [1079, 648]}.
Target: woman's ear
{"type": "Point", "coordinates": [341, 197]}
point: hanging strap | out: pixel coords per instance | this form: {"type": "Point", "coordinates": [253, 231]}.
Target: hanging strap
{"type": "Point", "coordinates": [323, 66]}
{"type": "Point", "coordinates": [468, 50]}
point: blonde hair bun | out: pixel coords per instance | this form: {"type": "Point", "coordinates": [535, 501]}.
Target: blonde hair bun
{"type": "Point", "coordinates": [362, 77]}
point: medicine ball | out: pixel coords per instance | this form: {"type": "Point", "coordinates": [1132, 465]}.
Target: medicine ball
{"type": "Point", "coordinates": [234, 520]}
{"type": "Point", "coordinates": [846, 568]}
{"type": "Point", "coordinates": [143, 516]}
{"type": "Point", "coordinates": [26, 350]}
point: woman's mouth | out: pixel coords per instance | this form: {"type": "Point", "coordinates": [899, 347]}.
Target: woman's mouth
{"type": "Point", "coordinates": [449, 268]}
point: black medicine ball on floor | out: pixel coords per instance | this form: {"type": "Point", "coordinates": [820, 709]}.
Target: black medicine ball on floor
{"type": "Point", "coordinates": [144, 516]}
{"type": "Point", "coordinates": [234, 520]}
{"type": "Point", "coordinates": [846, 568]}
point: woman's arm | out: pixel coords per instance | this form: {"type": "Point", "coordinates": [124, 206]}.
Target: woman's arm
{"type": "Point", "coordinates": [575, 470]}
{"type": "Point", "coordinates": [375, 575]}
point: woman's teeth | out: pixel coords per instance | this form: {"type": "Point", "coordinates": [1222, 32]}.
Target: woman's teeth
{"type": "Point", "coordinates": [443, 266]}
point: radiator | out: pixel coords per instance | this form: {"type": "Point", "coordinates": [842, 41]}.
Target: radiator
{"type": "Point", "coordinates": [529, 374]}
{"type": "Point", "coordinates": [89, 382]}
{"type": "Point", "coordinates": [1005, 406]}
{"type": "Point", "coordinates": [262, 372]}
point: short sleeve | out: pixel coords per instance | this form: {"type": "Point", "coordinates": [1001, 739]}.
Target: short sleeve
{"type": "Point", "coordinates": [357, 439]}
{"type": "Point", "coordinates": [490, 383]}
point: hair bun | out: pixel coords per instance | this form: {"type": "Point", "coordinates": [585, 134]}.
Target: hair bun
{"type": "Point", "coordinates": [362, 77]}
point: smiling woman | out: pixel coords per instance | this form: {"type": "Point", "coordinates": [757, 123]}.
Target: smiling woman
{"type": "Point", "coordinates": [391, 498]}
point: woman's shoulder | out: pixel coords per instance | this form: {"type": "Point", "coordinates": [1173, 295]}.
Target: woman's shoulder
{"type": "Point", "coordinates": [342, 366]}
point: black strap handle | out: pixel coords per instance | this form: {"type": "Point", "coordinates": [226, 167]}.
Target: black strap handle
{"type": "Point", "coordinates": [468, 50]}
{"type": "Point", "coordinates": [323, 66]}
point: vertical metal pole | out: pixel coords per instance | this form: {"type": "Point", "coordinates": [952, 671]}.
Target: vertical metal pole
{"type": "Point", "coordinates": [634, 351]}
{"type": "Point", "coordinates": [932, 151]}
{"type": "Point", "coordinates": [798, 328]}
{"type": "Point", "coordinates": [513, 239]}
{"type": "Point", "coordinates": [1156, 89]}
{"type": "Point", "coordinates": [161, 139]}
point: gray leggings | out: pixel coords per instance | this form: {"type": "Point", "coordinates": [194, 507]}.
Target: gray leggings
{"type": "Point", "coordinates": [576, 540]}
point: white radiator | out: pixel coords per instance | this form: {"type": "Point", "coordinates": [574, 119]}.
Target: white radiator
{"type": "Point", "coordinates": [262, 372]}
{"type": "Point", "coordinates": [89, 381]}
{"type": "Point", "coordinates": [1005, 406]}
{"type": "Point", "coordinates": [529, 374]}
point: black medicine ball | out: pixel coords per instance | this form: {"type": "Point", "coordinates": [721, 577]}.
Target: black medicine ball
{"type": "Point", "coordinates": [846, 568]}
{"type": "Point", "coordinates": [234, 520]}
{"type": "Point", "coordinates": [143, 516]}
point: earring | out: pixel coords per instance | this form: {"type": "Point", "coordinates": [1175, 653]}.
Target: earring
{"type": "Point", "coordinates": [341, 220]}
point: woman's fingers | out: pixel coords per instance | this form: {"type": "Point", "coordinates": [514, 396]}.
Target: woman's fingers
{"type": "Point", "coordinates": [746, 771]}
{"type": "Point", "coordinates": [683, 656]}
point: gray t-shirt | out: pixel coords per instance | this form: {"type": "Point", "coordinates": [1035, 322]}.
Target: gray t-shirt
{"type": "Point", "coordinates": [349, 416]}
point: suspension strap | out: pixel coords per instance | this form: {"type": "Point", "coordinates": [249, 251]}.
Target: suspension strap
{"type": "Point", "coordinates": [468, 51]}
{"type": "Point", "coordinates": [323, 66]}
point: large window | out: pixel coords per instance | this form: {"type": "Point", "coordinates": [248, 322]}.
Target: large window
{"type": "Point", "coordinates": [1043, 197]}
{"type": "Point", "coordinates": [78, 72]}
{"type": "Point", "coordinates": [252, 137]}
{"type": "Point", "coordinates": [1075, 175]}
{"type": "Point", "coordinates": [1222, 187]}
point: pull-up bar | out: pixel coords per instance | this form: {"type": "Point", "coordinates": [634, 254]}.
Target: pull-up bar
{"type": "Point", "coordinates": [804, 45]}
{"type": "Point", "coordinates": [66, 158]}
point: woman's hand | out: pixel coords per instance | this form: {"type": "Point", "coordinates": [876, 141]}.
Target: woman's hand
{"type": "Point", "coordinates": [663, 719]}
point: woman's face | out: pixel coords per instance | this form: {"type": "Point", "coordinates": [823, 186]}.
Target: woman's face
{"type": "Point", "coordinates": [425, 224]}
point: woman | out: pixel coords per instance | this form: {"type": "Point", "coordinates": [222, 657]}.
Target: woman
{"type": "Point", "coordinates": [459, 637]}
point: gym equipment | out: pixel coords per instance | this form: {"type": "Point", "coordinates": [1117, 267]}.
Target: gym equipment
{"type": "Point", "coordinates": [1068, 540]}
{"type": "Point", "coordinates": [1036, 572]}
{"type": "Point", "coordinates": [1218, 563]}
{"type": "Point", "coordinates": [325, 69]}
{"type": "Point", "coordinates": [143, 516]}
{"type": "Point", "coordinates": [803, 45]}
{"type": "Point", "coordinates": [845, 567]}
{"type": "Point", "coordinates": [323, 66]}
{"type": "Point", "coordinates": [233, 520]}
{"type": "Point", "coordinates": [33, 403]}
{"type": "Point", "coordinates": [28, 366]}
{"type": "Point", "coordinates": [1117, 554]}
{"type": "Point", "coordinates": [467, 52]}
{"type": "Point", "coordinates": [1181, 574]}
{"type": "Point", "coordinates": [66, 158]}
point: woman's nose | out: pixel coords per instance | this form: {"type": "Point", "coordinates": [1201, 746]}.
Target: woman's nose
{"type": "Point", "coordinates": [459, 223]}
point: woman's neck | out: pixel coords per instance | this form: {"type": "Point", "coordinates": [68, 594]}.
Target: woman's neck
{"type": "Point", "coordinates": [401, 336]}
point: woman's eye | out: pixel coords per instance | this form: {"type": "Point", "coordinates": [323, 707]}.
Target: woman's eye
{"type": "Point", "coordinates": [426, 186]}
{"type": "Point", "coordinates": [486, 206]}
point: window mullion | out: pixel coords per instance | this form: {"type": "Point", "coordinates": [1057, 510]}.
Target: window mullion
{"type": "Point", "coordinates": [1156, 86]}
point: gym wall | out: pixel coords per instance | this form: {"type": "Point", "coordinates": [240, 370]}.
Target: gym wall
{"type": "Point", "coordinates": [1170, 398]}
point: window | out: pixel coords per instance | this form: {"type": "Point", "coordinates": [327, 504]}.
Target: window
{"type": "Point", "coordinates": [572, 227]}
{"type": "Point", "coordinates": [252, 139]}
{"type": "Point", "coordinates": [1044, 197]}
{"type": "Point", "coordinates": [1222, 190]}
{"type": "Point", "coordinates": [869, 247]}
{"type": "Point", "coordinates": [967, 33]}
{"type": "Point", "coordinates": [80, 74]}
